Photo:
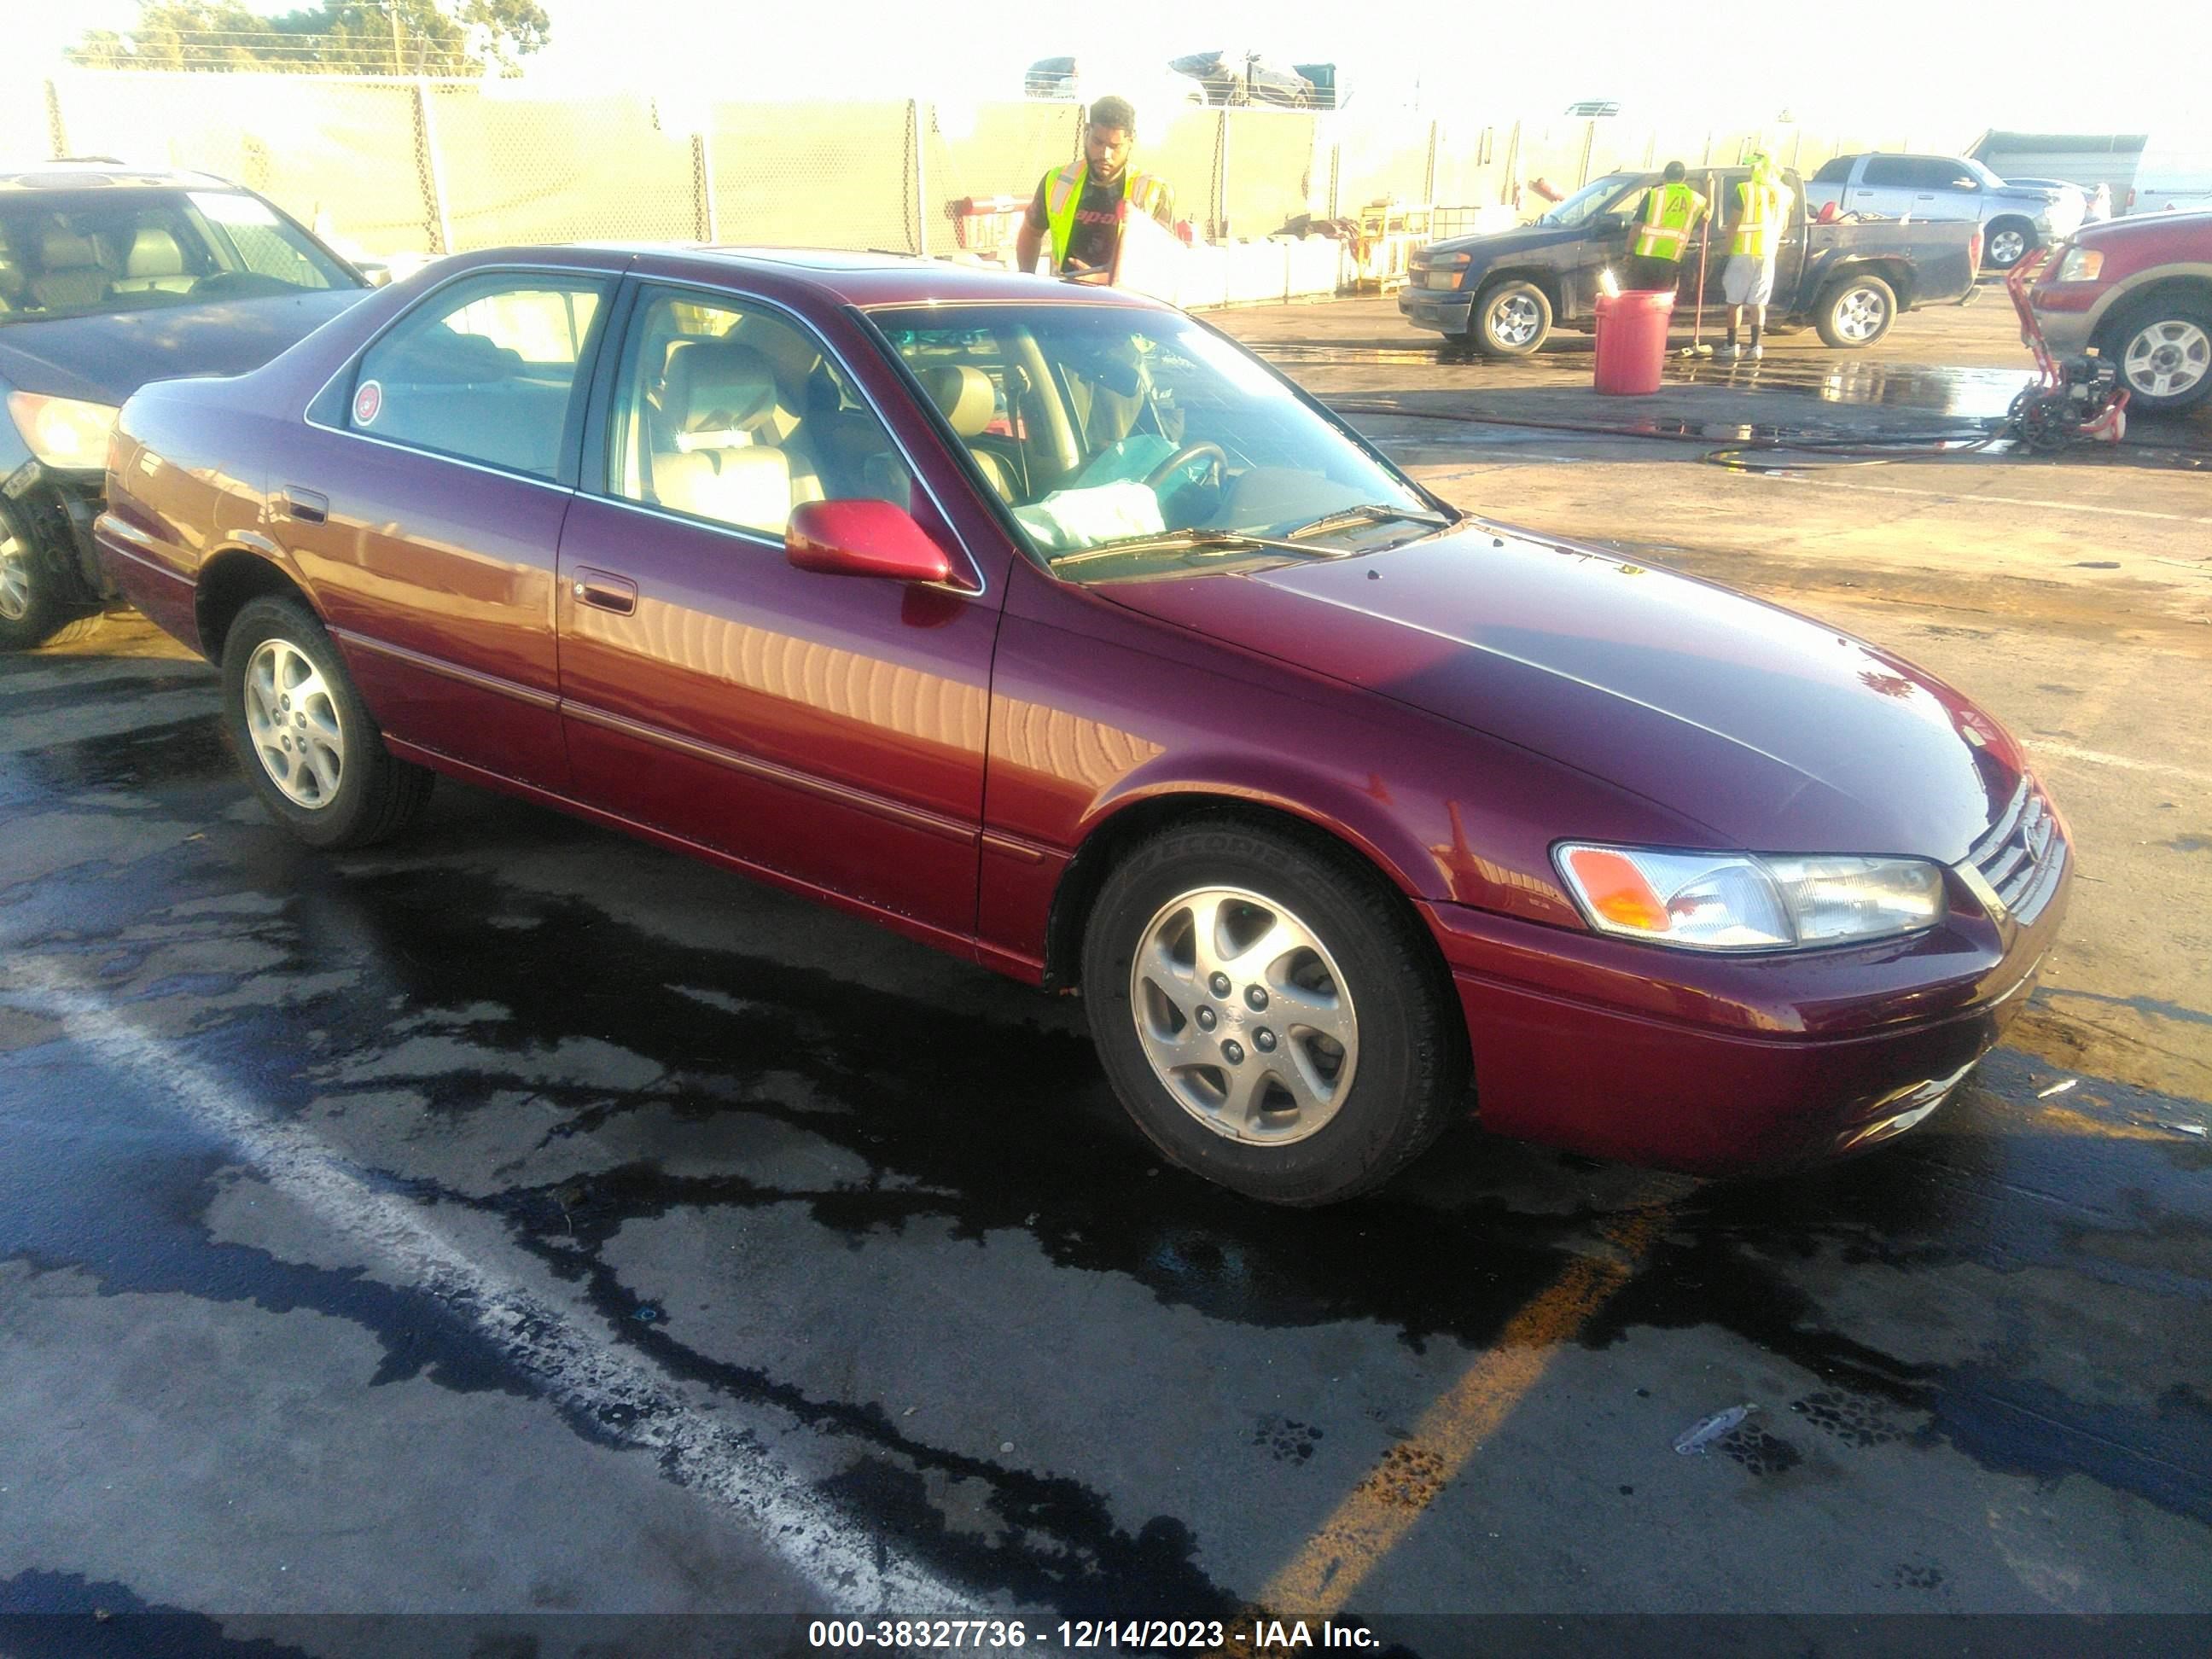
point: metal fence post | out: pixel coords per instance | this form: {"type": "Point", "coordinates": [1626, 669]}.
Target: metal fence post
{"type": "Point", "coordinates": [703, 187]}
{"type": "Point", "coordinates": [1429, 177]}
{"type": "Point", "coordinates": [431, 172]}
{"type": "Point", "coordinates": [1335, 176]}
{"type": "Point", "coordinates": [920, 176]}
{"type": "Point", "coordinates": [1219, 229]}
{"type": "Point", "coordinates": [57, 134]}
{"type": "Point", "coordinates": [1509, 186]}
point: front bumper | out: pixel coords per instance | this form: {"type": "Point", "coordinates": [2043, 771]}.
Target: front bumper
{"type": "Point", "coordinates": [2066, 332]}
{"type": "Point", "coordinates": [1720, 1065]}
{"type": "Point", "coordinates": [1441, 311]}
{"type": "Point", "coordinates": [54, 512]}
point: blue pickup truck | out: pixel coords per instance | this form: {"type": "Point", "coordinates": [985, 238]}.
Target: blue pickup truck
{"type": "Point", "coordinates": [1503, 294]}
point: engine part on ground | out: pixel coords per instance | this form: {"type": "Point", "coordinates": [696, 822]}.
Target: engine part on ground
{"type": "Point", "coordinates": [2072, 399]}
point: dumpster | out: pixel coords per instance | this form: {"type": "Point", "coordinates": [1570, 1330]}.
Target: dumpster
{"type": "Point", "coordinates": [1631, 340]}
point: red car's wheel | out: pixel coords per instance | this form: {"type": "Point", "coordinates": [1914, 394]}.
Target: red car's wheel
{"type": "Point", "coordinates": [1270, 1013]}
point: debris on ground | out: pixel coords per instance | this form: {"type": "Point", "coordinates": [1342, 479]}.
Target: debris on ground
{"type": "Point", "coordinates": [2056, 1088]}
{"type": "Point", "coordinates": [1702, 1434]}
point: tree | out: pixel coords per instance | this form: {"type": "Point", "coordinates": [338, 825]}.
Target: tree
{"type": "Point", "coordinates": [341, 37]}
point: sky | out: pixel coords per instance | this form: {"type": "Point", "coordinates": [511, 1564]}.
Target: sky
{"type": "Point", "coordinates": [2028, 64]}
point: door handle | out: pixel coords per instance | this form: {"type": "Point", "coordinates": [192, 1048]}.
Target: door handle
{"type": "Point", "coordinates": [304, 505]}
{"type": "Point", "coordinates": [603, 591]}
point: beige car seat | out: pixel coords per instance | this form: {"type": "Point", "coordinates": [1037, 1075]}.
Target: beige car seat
{"type": "Point", "coordinates": [157, 263]}
{"type": "Point", "coordinates": [964, 397]}
{"type": "Point", "coordinates": [70, 277]}
{"type": "Point", "coordinates": [706, 460]}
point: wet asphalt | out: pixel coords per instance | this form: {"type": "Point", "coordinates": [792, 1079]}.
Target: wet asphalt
{"type": "Point", "coordinates": [518, 1220]}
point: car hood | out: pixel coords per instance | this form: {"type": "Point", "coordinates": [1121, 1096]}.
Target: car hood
{"type": "Point", "coordinates": [104, 359]}
{"type": "Point", "coordinates": [1777, 732]}
{"type": "Point", "coordinates": [1522, 239]}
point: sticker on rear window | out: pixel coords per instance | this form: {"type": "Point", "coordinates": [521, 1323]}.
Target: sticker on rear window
{"type": "Point", "coordinates": [368, 403]}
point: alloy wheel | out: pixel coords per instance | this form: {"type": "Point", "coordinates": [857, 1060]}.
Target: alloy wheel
{"type": "Point", "coordinates": [2168, 359]}
{"type": "Point", "coordinates": [2008, 247]}
{"type": "Point", "coordinates": [1244, 1015]}
{"type": "Point", "coordinates": [15, 577]}
{"type": "Point", "coordinates": [1514, 321]}
{"type": "Point", "coordinates": [1860, 314]}
{"type": "Point", "coordinates": [293, 722]}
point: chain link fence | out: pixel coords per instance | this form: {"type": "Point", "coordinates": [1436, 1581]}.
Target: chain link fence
{"type": "Point", "coordinates": [387, 166]}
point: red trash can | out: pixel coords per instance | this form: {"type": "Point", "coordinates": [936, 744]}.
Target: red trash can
{"type": "Point", "coordinates": [1631, 340]}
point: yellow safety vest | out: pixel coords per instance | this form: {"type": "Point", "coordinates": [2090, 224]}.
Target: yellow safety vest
{"type": "Point", "coordinates": [1063, 191]}
{"type": "Point", "coordinates": [1668, 210]}
{"type": "Point", "coordinates": [1765, 204]}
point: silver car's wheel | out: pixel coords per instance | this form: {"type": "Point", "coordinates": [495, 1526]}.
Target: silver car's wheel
{"type": "Point", "coordinates": [1244, 1015]}
{"type": "Point", "coordinates": [2166, 360]}
{"type": "Point", "coordinates": [293, 721]}
{"type": "Point", "coordinates": [2009, 245]}
{"type": "Point", "coordinates": [15, 577]}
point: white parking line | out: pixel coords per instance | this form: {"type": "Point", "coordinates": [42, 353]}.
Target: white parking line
{"type": "Point", "coordinates": [1965, 499]}
{"type": "Point", "coordinates": [718, 1457]}
{"type": "Point", "coordinates": [2099, 757]}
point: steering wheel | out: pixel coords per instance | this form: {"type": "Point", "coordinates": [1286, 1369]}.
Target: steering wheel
{"type": "Point", "coordinates": [1182, 459]}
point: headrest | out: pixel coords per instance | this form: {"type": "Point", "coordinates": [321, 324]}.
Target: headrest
{"type": "Point", "coordinates": [154, 252]}
{"type": "Point", "coordinates": [714, 385]}
{"type": "Point", "coordinates": [963, 395]}
{"type": "Point", "coordinates": [64, 250]}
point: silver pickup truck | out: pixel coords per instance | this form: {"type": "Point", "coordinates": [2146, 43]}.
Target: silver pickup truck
{"type": "Point", "coordinates": [2015, 219]}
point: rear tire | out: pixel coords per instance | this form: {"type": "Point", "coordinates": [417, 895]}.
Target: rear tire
{"type": "Point", "coordinates": [1247, 1086]}
{"type": "Point", "coordinates": [1854, 312]}
{"type": "Point", "coordinates": [1511, 318]}
{"type": "Point", "coordinates": [304, 737]}
{"type": "Point", "coordinates": [2162, 347]}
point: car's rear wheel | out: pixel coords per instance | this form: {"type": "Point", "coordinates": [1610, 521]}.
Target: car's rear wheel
{"type": "Point", "coordinates": [1269, 1012]}
{"type": "Point", "coordinates": [303, 735]}
{"type": "Point", "coordinates": [2010, 240]}
{"type": "Point", "coordinates": [2163, 350]}
{"type": "Point", "coordinates": [1856, 312]}
{"type": "Point", "coordinates": [33, 610]}
{"type": "Point", "coordinates": [1511, 319]}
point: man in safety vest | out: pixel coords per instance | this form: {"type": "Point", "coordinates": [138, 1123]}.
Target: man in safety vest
{"type": "Point", "coordinates": [1080, 206]}
{"type": "Point", "coordinates": [1669, 212]}
{"type": "Point", "coordinates": [1762, 213]}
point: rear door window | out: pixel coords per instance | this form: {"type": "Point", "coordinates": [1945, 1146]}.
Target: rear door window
{"type": "Point", "coordinates": [488, 370]}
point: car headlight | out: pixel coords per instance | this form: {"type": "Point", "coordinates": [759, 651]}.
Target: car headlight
{"type": "Point", "coordinates": [1735, 901]}
{"type": "Point", "coordinates": [62, 432]}
{"type": "Point", "coordinates": [2080, 265]}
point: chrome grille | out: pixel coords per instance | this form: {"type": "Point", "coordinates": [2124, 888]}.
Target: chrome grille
{"type": "Point", "coordinates": [2022, 857]}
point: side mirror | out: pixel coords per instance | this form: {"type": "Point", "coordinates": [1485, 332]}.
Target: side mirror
{"type": "Point", "coordinates": [374, 272]}
{"type": "Point", "coordinates": [863, 538]}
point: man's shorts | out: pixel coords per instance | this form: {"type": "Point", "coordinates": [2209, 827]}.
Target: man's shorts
{"type": "Point", "coordinates": [1748, 280]}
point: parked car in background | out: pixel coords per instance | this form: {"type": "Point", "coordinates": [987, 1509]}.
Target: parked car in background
{"type": "Point", "coordinates": [2069, 203]}
{"type": "Point", "coordinates": [1502, 295]}
{"type": "Point", "coordinates": [111, 277]}
{"type": "Point", "coordinates": [2014, 219]}
{"type": "Point", "coordinates": [1156, 92]}
{"type": "Point", "coordinates": [1246, 77]}
{"type": "Point", "coordinates": [2172, 175]}
{"type": "Point", "coordinates": [2138, 290]}
{"type": "Point", "coordinates": [1052, 627]}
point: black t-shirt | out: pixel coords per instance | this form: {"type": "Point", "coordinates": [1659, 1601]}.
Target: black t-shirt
{"type": "Point", "coordinates": [1097, 229]}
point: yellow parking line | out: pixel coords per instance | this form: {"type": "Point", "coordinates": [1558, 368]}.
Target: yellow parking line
{"type": "Point", "coordinates": [1383, 1507]}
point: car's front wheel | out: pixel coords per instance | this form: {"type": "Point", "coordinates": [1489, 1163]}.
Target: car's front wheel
{"type": "Point", "coordinates": [2163, 350]}
{"type": "Point", "coordinates": [2010, 241]}
{"type": "Point", "coordinates": [1512, 318]}
{"type": "Point", "coordinates": [1269, 1012]}
{"type": "Point", "coordinates": [303, 735]}
{"type": "Point", "coordinates": [34, 610]}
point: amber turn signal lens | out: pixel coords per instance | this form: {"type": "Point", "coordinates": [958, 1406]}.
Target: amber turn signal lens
{"type": "Point", "coordinates": [1617, 890]}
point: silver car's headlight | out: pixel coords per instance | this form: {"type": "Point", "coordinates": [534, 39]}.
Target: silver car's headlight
{"type": "Point", "coordinates": [64, 432]}
{"type": "Point", "coordinates": [1735, 901]}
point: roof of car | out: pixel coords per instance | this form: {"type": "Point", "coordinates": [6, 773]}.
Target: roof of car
{"type": "Point", "coordinates": [868, 278]}
{"type": "Point", "coordinates": [99, 174]}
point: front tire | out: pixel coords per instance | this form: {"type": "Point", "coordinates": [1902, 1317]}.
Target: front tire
{"type": "Point", "coordinates": [2010, 241]}
{"type": "Point", "coordinates": [2163, 350]}
{"type": "Point", "coordinates": [1269, 1012]}
{"type": "Point", "coordinates": [1856, 312]}
{"type": "Point", "coordinates": [33, 609]}
{"type": "Point", "coordinates": [303, 735]}
{"type": "Point", "coordinates": [1511, 319]}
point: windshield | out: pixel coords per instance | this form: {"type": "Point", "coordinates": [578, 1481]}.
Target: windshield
{"type": "Point", "coordinates": [1102, 426]}
{"type": "Point", "coordinates": [1592, 199]}
{"type": "Point", "coordinates": [84, 254]}
{"type": "Point", "coordinates": [1981, 172]}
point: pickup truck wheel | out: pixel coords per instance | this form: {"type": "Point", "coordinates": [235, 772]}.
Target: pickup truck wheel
{"type": "Point", "coordinates": [1856, 312]}
{"type": "Point", "coordinates": [303, 735]}
{"type": "Point", "coordinates": [1512, 318]}
{"type": "Point", "coordinates": [2010, 241]}
{"type": "Point", "coordinates": [1265, 1008]}
{"type": "Point", "coordinates": [2164, 350]}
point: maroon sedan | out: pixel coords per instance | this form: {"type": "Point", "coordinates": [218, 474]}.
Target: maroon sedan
{"type": "Point", "coordinates": [1049, 626]}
